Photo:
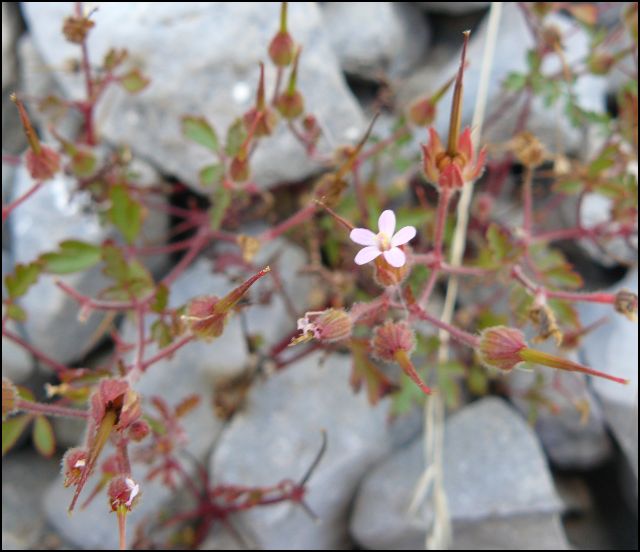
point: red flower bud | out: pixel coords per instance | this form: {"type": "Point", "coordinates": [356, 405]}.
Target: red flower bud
{"type": "Point", "coordinates": [43, 165]}
{"type": "Point", "coordinates": [282, 49]}
{"type": "Point", "coordinates": [290, 104]}
{"type": "Point", "coordinates": [239, 169]}
{"type": "Point", "coordinates": [139, 430]}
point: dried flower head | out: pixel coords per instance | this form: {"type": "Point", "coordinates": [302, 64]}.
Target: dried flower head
{"type": "Point", "coordinates": [328, 325]}
{"type": "Point", "coordinates": [74, 462]}
{"type": "Point", "coordinates": [528, 149]}
{"type": "Point", "coordinates": [386, 242]}
{"type": "Point", "coordinates": [75, 29]}
{"type": "Point", "coordinates": [626, 302]}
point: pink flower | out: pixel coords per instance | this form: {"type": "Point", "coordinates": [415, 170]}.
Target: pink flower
{"type": "Point", "coordinates": [385, 242]}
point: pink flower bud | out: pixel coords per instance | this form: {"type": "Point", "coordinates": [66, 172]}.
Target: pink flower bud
{"type": "Point", "coordinates": [282, 49]}
{"type": "Point", "coordinates": [42, 165]}
{"type": "Point", "coordinates": [139, 430]}
{"type": "Point", "coordinates": [117, 396]}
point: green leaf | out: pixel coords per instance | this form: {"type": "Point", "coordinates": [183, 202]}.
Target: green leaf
{"type": "Point", "coordinates": [211, 175]}
{"type": "Point", "coordinates": [15, 312]}
{"type": "Point", "coordinates": [161, 333]}
{"type": "Point", "coordinates": [132, 278]}
{"type": "Point", "coordinates": [43, 437]}
{"type": "Point", "coordinates": [515, 82]}
{"type": "Point", "coordinates": [200, 131]}
{"type": "Point", "coordinates": [220, 203]}
{"type": "Point", "coordinates": [448, 373]}
{"type": "Point", "coordinates": [113, 58]}
{"type": "Point", "coordinates": [364, 371]}
{"type": "Point", "coordinates": [478, 381]}
{"type": "Point", "coordinates": [159, 303]}
{"type": "Point", "coordinates": [134, 81]}
{"type": "Point", "coordinates": [500, 245]}
{"type": "Point", "coordinates": [407, 397]}
{"type": "Point", "coordinates": [73, 256]}
{"type": "Point", "coordinates": [568, 187]}
{"type": "Point", "coordinates": [236, 135]}
{"type": "Point", "coordinates": [23, 277]}
{"type": "Point", "coordinates": [125, 213]}
{"type": "Point", "coordinates": [11, 431]}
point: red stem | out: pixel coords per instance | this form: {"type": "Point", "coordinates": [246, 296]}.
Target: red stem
{"type": "Point", "coordinates": [51, 409]}
{"type": "Point", "coordinates": [7, 209]}
{"type": "Point", "coordinates": [57, 366]}
{"type": "Point", "coordinates": [301, 216]}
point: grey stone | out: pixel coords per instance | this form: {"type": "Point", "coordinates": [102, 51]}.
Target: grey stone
{"type": "Point", "coordinates": [494, 473]}
{"type": "Point", "coordinates": [208, 67]}
{"type": "Point", "coordinates": [613, 348]}
{"type": "Point", "coordinates": [569, 441]}
{"type": "Point", "coordinates": [10, 32]}
{"type": "Point", "coordinates": [372, 39]}
{"type": "Point", "coordinates": [55, 213]}
{"type": "Point", "coordinates": [17, 364]}
{"type": "Point", "coordinates": [513, 41]}
{"type": "Point", "coordinates": [25, 475]}
{"type": "Point", "coordinates": [596, 209]}
{"type": "Point", "coordinates": [453, 8]}
{"type": "Point", "coordinates": [277, 436]}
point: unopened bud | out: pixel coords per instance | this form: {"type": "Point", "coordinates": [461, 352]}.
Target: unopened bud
{"type": "Point", "coordinates": [328, 326]}
{"type": "Point", "coordinates": [626, 302]}
{"type": "Point", "coordinates": [422, 112]}
{"type": "Point", "coordinates": [290, 104]}
{"type": "Point", "coordinates": [600, 63]}
{"type": "Point", "coordinates": [139, 430]}
{"type": "Point", "coordinates": [282, 49]}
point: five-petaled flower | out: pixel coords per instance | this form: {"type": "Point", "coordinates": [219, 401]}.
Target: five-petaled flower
{"type": "Point", "coordinates": [385, 242]}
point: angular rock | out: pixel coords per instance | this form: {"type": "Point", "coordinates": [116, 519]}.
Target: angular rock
{"type": "Point", "coordinates": [25, 476]}
{"type": "Point", "coordinates": [11, 28]}
{"type": "Point", "coordinates": [376, 38]}
{"type": "Point", "coordinates": [277, 436]}
{"type": "Point", "coordinates": [513, 41]}
{"type": "Point", "coordinates": [209, 67]}
{"type": "Point", "coordinates": [613, 348]}
{"type": "Point", "coordinates": [17, 364]}
{"type": "Point", "coordinates": [453, 8]}
{"type": "Point", "coordinates": [55, 213]}
{"type": "Point", "coordinates": [569, 441]}
{"type": "Point", "coordinates": [495, 478]}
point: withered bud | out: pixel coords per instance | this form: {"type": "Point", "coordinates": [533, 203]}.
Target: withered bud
{"type": "Point", "coordinates": [528, 149]}
{"type": "Point", "coordinates": [386, 275]}
{"type": "Point", "coordinates": [600, 63]}
{"type": "Point", "coordinates": [500, 347]}
{"type": "Point", "coordinates": [391, 338]}
{"type": "Point", "coordinates": [9, 398]}
{"type": "Point", "coordinates": [75, 29]}
{"type": "Point", "coordinates": [327, 326]}
{"type": "Point", "coordinates": [626, 302]}
{"type": "Point", "coordinates": [545, 320]}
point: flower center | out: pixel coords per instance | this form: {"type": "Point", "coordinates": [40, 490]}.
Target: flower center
{"type": "Point", "coordinates": [384, 241]}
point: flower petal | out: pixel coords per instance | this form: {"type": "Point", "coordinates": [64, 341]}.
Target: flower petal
{"type": "Point", "coordinates": [387, 222]}
{"type": "Point", "coordinates": [395, 257]}
{"type": "Point", "coordinates": [403, 236]}
{"type": "Point", "coordinates": [367, 254]}
{"type": "Point", "coordinates": [465, 146]}
{"type": "Point", "coordinates": [363, 236]}
{"type": "Point", "coordinates": [451, 177]}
